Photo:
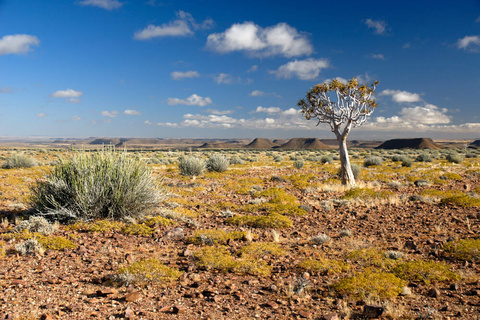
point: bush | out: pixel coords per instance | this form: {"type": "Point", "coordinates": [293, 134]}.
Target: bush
{"type": "Point", "coordinates": [423, 157]}
{"type": "Point", "coordinates": [373, 161]}
{"type": "Point", "coordinates": [236, 160]}
{"type": "Point", "coordinates": [217, 163]}
{"type": "Point", "coordinates": [407, 163]}
{"type": "Point", "coordinates": [19, 161]}
{"type": "Point", "coordinates": [298, 164]}
{"type": "Point", "coordinates": [28, 247]}
{"type": "Point", "coordinates": [356, 170]}
{"type": "Point", "coordinates": [104, 184]}
{"type": "Point", "coordinates": [455, 157]}
{"type": "Point", "coordinates": [465, 249]}
{"type": "Point", "coordinates": [425, 271]}
{"type": "Point", "coordinates": [148, 270]}
{"type": "Point", "coordinates": [36, 224]}
{"type": "Point", "coordinates": [326, 159]}
{"type": "Point", "coordinates": [191, 166]}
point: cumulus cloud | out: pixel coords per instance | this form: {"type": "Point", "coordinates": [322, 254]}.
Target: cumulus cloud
{"type": "Point", "coordinates": [183, 26]}
{"type": "Point", "coordinates": [17, 43]}
{"type": "Point", "coordinates": [178, 75]}
{"type": "Point", "coordinates": [70, 95]}
{"type": "Point", "coordinates": [219, 112]}
{"type": "Point", "coordinates": [280, 39]}
{"type": "Point", "coordinates": [109, 114]}
{"type": "Point", "coordinates": [378, 56]}
{"type": "Point", "coordinates": [223, 78]}
{"type": "Point", "coordinates": [303, 69]}
{"type": "Point", "coordinates": [378, 26]}
{"type": "Point", "coordinates": [428, 114]}
{"type": "Point", "coordinates": [132, 112]}
{"type": "Point", "coordinates": [471, 43]}
{"type": "Point", "coordinates": [256, 93]}
{"type": "Point", "coordinates": [253, 68]}
{"type": "Point", "coordinates": [268, 110]}
{"type": "Point", "coordinates": [41, 115]}
{"type": "Point", "coordinates": [76, 118]}
{"type": "Point", "coordinates": [342, 80]}
{"type": "Point", "coordinates": [401, 96]}
{"type": "Point", "coordinates": [193, 100]}
{"type": "Point", "coordinates": [104, 4]}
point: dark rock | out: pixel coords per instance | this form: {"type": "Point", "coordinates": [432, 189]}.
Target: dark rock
{"type": "Point", "coordinates": [454, 286]}
{"type": "Point", "coordinates": [434, 293]}
{"type": "Point", "coordinates": [175, 234]}
{"type": "Point", "coordinates": [372, 312]}
{"type": "Point", "coordinates": [410, 244]}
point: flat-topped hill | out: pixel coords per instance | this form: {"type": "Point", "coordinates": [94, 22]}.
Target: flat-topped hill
{"type": "Point", "coordinates": [304, 143]}
{"type": "Point", "coordinates": [261, 143]}
{"type": "Point", "coordinates": [415, 143]}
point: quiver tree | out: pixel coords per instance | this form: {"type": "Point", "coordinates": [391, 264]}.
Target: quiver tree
{"type": "Point", "coordinates": [343, 107]}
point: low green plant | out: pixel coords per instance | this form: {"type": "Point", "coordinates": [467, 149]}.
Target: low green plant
{"type": "Point", "coordinates": [19, 161]}
{"type": "Point", "coordinates": [462, 200]}
{"type": "Point", "coordinates": [369, 257]}
{"type": "Point", "coordinates": [423, 157]}
{"type": "Point", "coordinates": [55, 242]}
{"type": "Point", "coordinates": [373, 161]}
{"type": "Point", "coordinates": [298, 164]}
{"type": "Point", "coordinates": [272, 220]}
{"type": "Point", "coordinates": [215, 236]}
{"type": "Point", "coordinates": [138, 229]}
{"type": "Point", "coordinates": [148, 270]}
{"type": "Point", "coordinates": [217, 163]}
{"type": "Point", "coordinates": [260, 249]}
{"type": "Point", "coordinates": [324, 266]}
{"type": "Point", "coordinates": [455, 157]}
{"type": "Point", "coordinates": [464, 249]}
{"type": "Point", "coordinates": [425, 271]}
{"type": "Point", "coordinates": [158, 221]}
{"type": "Point", "coordinates": [29, 247]}
{"type": "Point", "coordinates": [191, 166]}
{"type": "Point", "coordinates": [96, 185]}
{"type": "Point", "coordinates": [36, 224]}
{"type": "Point", "coordinates": [371, 284]}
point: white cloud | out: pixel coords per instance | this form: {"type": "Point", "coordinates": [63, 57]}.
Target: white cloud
{"type": "Point", "coordinates": [193, 100]}
{"type": "Point", "coordinates": [104, 4]}
{"type": "Point", "coordinates": [342, 80]}
{"type": "Point", "coordinates": [256, 93]}
{"type": "Point", "coordinates": [253, 68]}
{"type": "Point", "coordinates": [110, 114]}
{"type": "Point", "coordinates": [223, 78]}
{"type": "Point", "coordinates": [268, 110]}
{"type": "Point", "coordinates": [41, 115]}
{"type": "Point", "coordinates": [280, 39]}
{"type": "Point", "coordinates": [183, 26]}
{"type": "Point", "coordinates": [428, 114]}
{"type": "Point", "coordinates": [402, 96]}
{"type": "Point", "coordinates": [380, 27]}
{"type": "Point", "coordinates": [303, 69]}
{"type": "Point", "coordinates": [471, 43]}
{"type": "Point", "coordinates": [378, 56]}
{"type": "Point", "coordinates": [219, 112]}
{"type": "Point", "coordinates": [69, 94]}
{"type": "Point", "coordinates": [17, 43]}
{"type": "Point", "coordinates": [76, 118]}
{"type": "Point", "coordinates": [131, 112]}
{"type": "Point", "coordinates": [291, 111]}
{"type": "Point", "coordinates": [178, 75]}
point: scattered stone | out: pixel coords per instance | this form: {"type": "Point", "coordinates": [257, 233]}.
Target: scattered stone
{"type": "Point", "coordinates": [178, 309]}
{"type": "Point", "coordinates": [278, 179]}
{"type": "Point", "coordinates": [433, 293]}
{"type": "Point", "coordinates": [46, 316]}
{"type": "Point", "coordinates": [474, 292]}
{"type": "Point", "coordinates": [305, 314]}
{"type": "Point", "coordinates": [175, 234]}
{"type": "Point", "coordinates": [454, 287]}
{"type": "Point", "coordinates": [132, 296]}
{"type": "Point", "coordinates": [406, 291]}
{"type": "Point", "coordinates": [372, 312]}
{"type": "Point", "coordinates": [106, 291]}
{"type": "Point", "coordinates": [331, 316]}
{"type": "Point", "coordinates": [129, 314]}
{"type": "Point", "coordinates": [421, 183]}
{"type": "Point", "coordinates": [410, 244]}
{"type": "Point", "coordinates": [187, 253]}
{"type": "Point", "coordinates": [305, 207]}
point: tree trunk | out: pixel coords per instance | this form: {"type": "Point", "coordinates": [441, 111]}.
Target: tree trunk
{"type": "Point", "coordinates": [347, 174]}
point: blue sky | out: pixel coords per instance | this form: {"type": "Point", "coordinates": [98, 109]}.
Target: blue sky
{"type": "Point", "coordinates": [234, 69]}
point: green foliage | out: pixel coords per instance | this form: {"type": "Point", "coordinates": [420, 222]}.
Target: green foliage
{"type": "Point", "coordinates": [326, 159]}
{"type": "Point", "coordinates": [19, 161]}
{"type": "Point", "coordinates": [298, 164]}
{"type": "Point", "coordinates": [452, 176]}
{"type": "Point", "coordinates": [356, 170]}
{"type": "Point", "coordinates": [465, 249]}
{"type": "Point", "coordinates": [104, 184]}
{"type": "Point", "coordinates": [36, 224]}
{"type": "Point", "coordinates": [215, 236]}
{"type": "Point", "coordinates": [373, 161]}
{"type": "Point", "coordinates": [55, 243]}
{"type": "Point", "coordinates": [149, 270]}
{"type": "Point", "coordinates": [423, 157]}
{"type": "Point", "coordinates": [324, 266]}
{"type": "Point", "coordinates": [104, 226]}
{"type": "Point", "coordinates": [455, 157]}
{"type": "Point", "coordinates": [371, 284]}
{"type": "Point", "coordinates": [272, 220]}
{"type": "Point", "coordinates": [280, 202]}
{"type": "Point", "coordinates": [365, 193]}
{"type": "Point", "coordinates": [191, 166]}
{"type": "Point", "coordinates": [462, 200]}
{"type": "Point", "coordinates": [425, 271]}
{"type": "Point", "coordinates": [29, 247]}
{"type": "Point", "coordinates": [137, 229]}
{"type": "Point", "coordinates": [260, 249]}
{"type": "Point", "coordinates": [407, 163]}
{"type": "Point", "coordinates": [236, 160]}
{"type": "Point", "coordinates": [217, 163]}
{"type": "Point", "coordinates": [371, 257]}
{"type": "Point", "coordinates": [158, 221]}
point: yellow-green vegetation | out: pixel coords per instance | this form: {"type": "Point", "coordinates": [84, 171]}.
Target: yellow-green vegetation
{"type": "Point", "coordinates": [425, 271]}
{"type": "Point", "coordinates": [137, 229]}
{"type": "Point", "coordinates": [103, 226]}
{"type": "Point", "coordinates": [452, 176]}
{"type": "Point", "coordinates": [324, 266]}
{"type": "Point", "coordinates": [2, 249]}
{"type": "Point", "coordinates": [153, 222]}
{"type": "Point", "coordinates": [260, 249]}
{"type": "Point", "coordinates": [273, 220]}
{"type": "Point", "coordinates": [366, 193]}
{"type": "Point", "coordinates": [219, 258]}
{"type": "Point", "coordinates": [301, 181]}
{"type": "Point", "coordinates": [280, 202]}
{"type": "Point", "coordinates": [54, 242]}
{"type": "Point", "coordinates": [439, 193]}
{"type": "Point", "coordinates": [371, 284]}
{"type": "Point", "coordinates": [462, 200]}
{"type": "Point", "coordinates": [215, 236]}
{"type": "Point", "coordinates": [15, 183]}
{"type": "Point", "coordinates": [464, 249]}
{"type": "Point", "coordinates": [243, 186]}
{"type": "Point", "coordinates": [149, 270]}
{"type": "Point", "coordinates": [371, 257]}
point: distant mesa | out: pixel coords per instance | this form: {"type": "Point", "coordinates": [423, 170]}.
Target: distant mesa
{"type": "Point", "coordinates": [233, 144]}
{"type": "Point", "coordinates": [261, 143]}
{"type": "Point", "coordinates": [475, 144]}
{"type": "Point", "coordinates": [416, 143]}
{"type": "Point", "coordinates": [106, 141]}
{"type": "Point", "coordinates": [304, 143]}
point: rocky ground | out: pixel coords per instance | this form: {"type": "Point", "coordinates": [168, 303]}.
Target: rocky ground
{"type": "Point", "coordinates": [81, 282]}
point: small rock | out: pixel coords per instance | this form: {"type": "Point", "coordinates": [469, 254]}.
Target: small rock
{"type": "Point", "coordinates": [331, 316]}
{"type": "Point", "coordinates": [273, 288]}
{"type": "Point", "coordinates": [410, 244]}
{"type": "Point", "coordinates": [372, 312]}
{"type": "Point", "coordinates": [278, 179]}
{"type": "Point", "coordinates": [175, 234]}
{"type": "Point", "coordinates": [46, 316]}
{"type": "Point", "coordinates": [434, 293]}
{"type": "Point", "coordinates": [272, 304]}
{"type": "Point", "coordinates": [406, 291]}
{"type": "Point", "coordinates": [178, 308]}
{"type": "Point", "coordinates": [304, 314]}
{"type": "Point", "coordinates": [474, 292]}
{"type": "Point", "coordinates": [106, 291]}
{"type": "Point", "coordinates": [454, 286]}
{"type": "Point", "coordinates": [129, 313]}
{"type": "Point", "coordinates": [132, 296]}
{"type": "Point", "coordinates": [187, 253]}
{"type": "Point", "coordinates": [305, 207]}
